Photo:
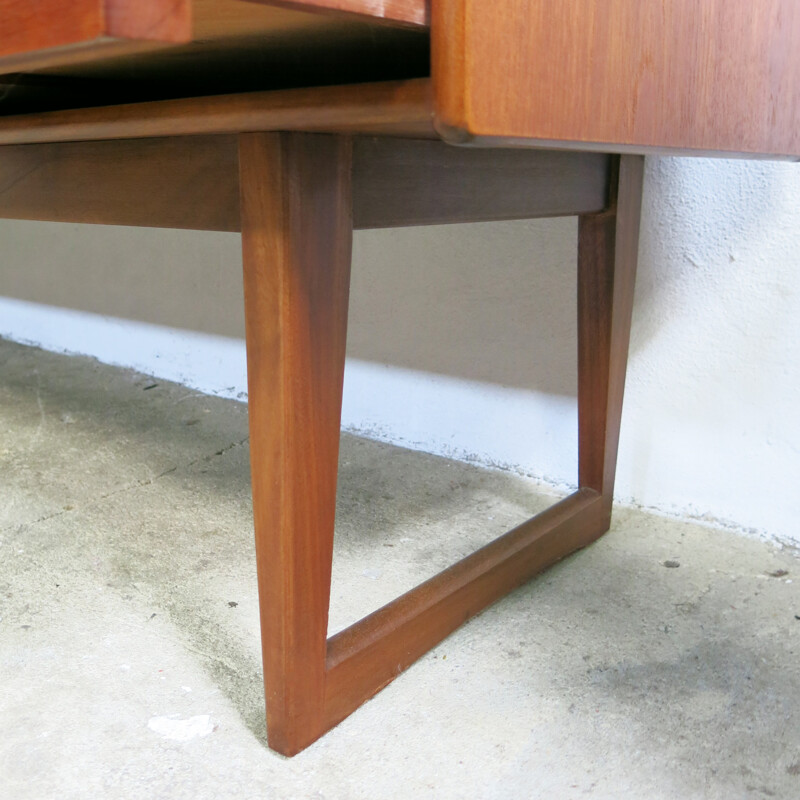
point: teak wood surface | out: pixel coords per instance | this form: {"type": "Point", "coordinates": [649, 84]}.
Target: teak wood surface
{"type": "Point", "coordinates": [395, 108]}
{"type": "Point", "coordinates": [101, 52]}
{"type": "Point", "coordinates": [692, 76]}
{"type": "Point", "coordinates": [193, 182]}
{"type": "Point", "coordinates": [48, 32]}
{"type": "Point", "coordinates": [296, 243]}
{"type": "Point", "coordinates": [40, 33]}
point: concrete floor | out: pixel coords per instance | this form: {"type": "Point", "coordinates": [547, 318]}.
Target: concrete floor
{"type": "Point", "coordinates": [662, 662]}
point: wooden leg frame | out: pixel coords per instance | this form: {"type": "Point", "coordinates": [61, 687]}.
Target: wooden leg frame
{"type": "Point", "coordinates": [296, 195]}
{"type": "Point", "coordinates": [296, 198]}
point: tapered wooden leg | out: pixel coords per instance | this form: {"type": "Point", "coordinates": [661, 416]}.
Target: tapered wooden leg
{"type": "Point", "coordinates": [296, 240]}
{"type": "Point", "coordinates": [607, 251]}
{"type": "Point", "coordinates": [296, 236]}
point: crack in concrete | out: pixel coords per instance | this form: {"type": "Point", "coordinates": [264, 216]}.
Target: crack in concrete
{"type": "Point", "coordinates": [42, 416]}
{"type": "Point", "coordinates": [130, 487]}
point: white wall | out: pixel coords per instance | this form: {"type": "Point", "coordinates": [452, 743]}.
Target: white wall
{"type": "Point", "coordinates": [462, 338]}
{"type": "Point", "coordinates": [712, 423]}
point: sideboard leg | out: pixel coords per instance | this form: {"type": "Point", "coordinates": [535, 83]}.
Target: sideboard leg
{"type": "Point", "coordinates": [607, 253]}
{"type": "Point", "coordinates": [297, 232]}
{"type": "Point", "coordinates": [296, 240]}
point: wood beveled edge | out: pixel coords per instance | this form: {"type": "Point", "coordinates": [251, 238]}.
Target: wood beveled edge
{"type": "Point", "coordinates": [406, 13]}
{"type": "Point", "coordinates": [365, 657]}
{"type": "Point", "coordinates": [449, 65]}
{"type": "Point", "coordinates": [74, 53]}
{"type": "Point", "coordinates": [394, 108]}
{"type": "Point", "coordinates": [457, 135]}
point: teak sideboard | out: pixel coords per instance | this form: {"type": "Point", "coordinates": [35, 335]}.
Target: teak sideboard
{"type": "Point", "coordinates": [295, 122]}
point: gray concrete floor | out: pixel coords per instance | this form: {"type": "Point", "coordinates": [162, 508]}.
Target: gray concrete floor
{"type": "Point", "coordinates": [129, 644]}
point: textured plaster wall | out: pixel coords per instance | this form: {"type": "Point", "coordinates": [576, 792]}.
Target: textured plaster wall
{"type": "Point", "coordinates": [462, 338]}
{"type": "Point", "coordinates": [712, 425]}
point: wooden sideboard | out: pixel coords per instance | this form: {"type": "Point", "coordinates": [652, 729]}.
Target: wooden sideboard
{"type": "Point", "coordinates": [296, 122]}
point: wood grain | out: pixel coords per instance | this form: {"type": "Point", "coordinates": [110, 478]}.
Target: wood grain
{"type": "Point", "coordinates": [296, 309]}
{"type": "Point", "coordinates": [192, 182]}
{"type": "Point", "coordinates": [176, 182]}
{"type": "Point", "coordinates": [65, 37]}
{"type": "Point", "coordinates": [296, 240]}
{"type": "Point", "coordinates": [702, 76]}
{"type": "Point", "coordinates": [371, 653]}
{"type": "Point", "coordinates": [27, 25]}
{"type": "Point", "coordinates": [408, 182]}
{"type": "Point", "coordinates": [154, 20]}
{"type": "Point", "coordinates": [298, 193]}
{"type": "Point", "coordinates": [398, 108]}
{"type": "Point", "coordinates": [36, 33]}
